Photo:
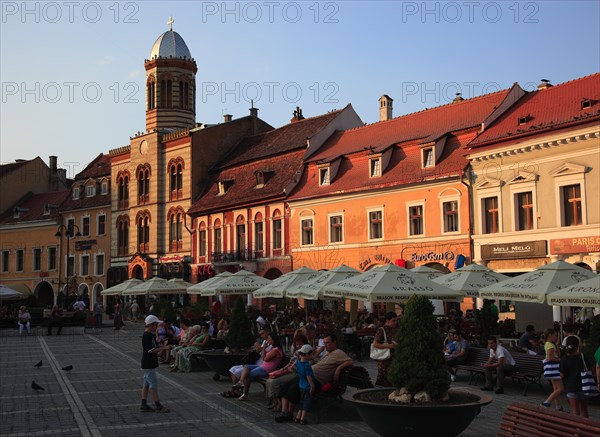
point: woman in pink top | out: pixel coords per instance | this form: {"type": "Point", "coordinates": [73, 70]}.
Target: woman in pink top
{"type": "Point", "coordinates": [270, 361]}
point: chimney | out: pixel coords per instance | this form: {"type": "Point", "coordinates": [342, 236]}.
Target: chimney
{"type": "Point", "coordinates": [458, 98]}
{"type": "Point", "coordinates": [544, 85]}
{"type": "Point", "coordinates": [227, 118]}
{"type": "Point", "coordinates": [253, 110]}
{"type": "Point", "coordinates": [297, 115]}
{"type": "Point", "coordinates": [53, 182]}
{"type": "Point", "coordinates": [386, 108]}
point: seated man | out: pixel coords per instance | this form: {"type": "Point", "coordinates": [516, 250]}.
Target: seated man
{"type": "Point", "coordinates": [525, 340]}
{"type": "Point", "coordinates": [459, 355]}
{"type": "Point", "coordinates": [326, 371]}
{"type": "Point", "coordinates": [500, 360]}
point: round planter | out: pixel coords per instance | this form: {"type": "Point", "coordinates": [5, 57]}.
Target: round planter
{"type": "Point", "coordinates": [220, 362]}
{"type": "Point", "coordinates": [441, 420]}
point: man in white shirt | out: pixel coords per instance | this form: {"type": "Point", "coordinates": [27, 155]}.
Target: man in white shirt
{"type": "Point", "coordinates": [501, 361]}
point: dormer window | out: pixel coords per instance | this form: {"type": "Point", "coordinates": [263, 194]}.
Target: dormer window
{"type": "Point", "coordinates": [223, 186]}
{"type": "Point", "coordinates": [90, 191]}
{"type": "Point", "coordinates": [586, 103]}
{"type": "Point", "coordinates": [104, 188]}
{"type": "Point", "coordinates": [260, 179]}
{"type": "Point", "coordinates": [76, 193]}
{"type": "Point", "coordinates": [523, 119]}
{"type": "Point", "coordinates": [324, 177]}
{"type": "Point", "coordinates": [375, 167]}
{"type": "Point", "coordinates": [428, 157]}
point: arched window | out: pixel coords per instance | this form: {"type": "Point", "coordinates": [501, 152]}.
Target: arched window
{"type": "Point", "coordinates": [217, 242]}
{"type": "Point", "coordinates": [123, 235]}
{"type": "Point", "coordinates": [175, 218]}
{"type": "Point", "coordinates": [123, 189]}
{"type": "Point", "coordinates": [175, 169]}
{"type": "Point", "coordinates": [163, 94]}
{"type": "Point", "coordinates": [150, 94]}
{"type": "Point", "coordinates": [143, 175]}
{"type": "Point", "coordinates": [142, 222]}
{"type": "Point", "coordinates": [202, 239]}
{"type": "Point", "coordinates": [240, 234]}
{"type": "Point", "coordinates": [277, 231]}
{"type": "Point", "coordinates": [259, 235]}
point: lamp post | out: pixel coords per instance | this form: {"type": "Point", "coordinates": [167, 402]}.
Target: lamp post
{"type": "Point", "coordinates": [67, 231]}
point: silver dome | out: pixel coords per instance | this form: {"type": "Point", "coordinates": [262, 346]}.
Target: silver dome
{"type": "Point", "coordinates": [170, 45]}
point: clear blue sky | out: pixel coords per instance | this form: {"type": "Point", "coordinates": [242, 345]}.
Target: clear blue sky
{"type": "Point", "coordinates": [56, 56]}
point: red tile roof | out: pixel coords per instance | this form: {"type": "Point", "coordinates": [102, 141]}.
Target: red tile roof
{"type": "Point", "coordinates": [279, 152]}
{"type": "Point", "coordinates": [85, 202]}
{"type": "Point", "coordinates": [7, 169]}
{"type": "Point", "coordinates": [34, 207]}
{"type": "Point", "coordinates": [427, 125]}
{"type": "Point", "coordinates": [553, 108]}
{"type": "Point", "coordinates": [283, 139]}
{"type": "Point", "coordinates": [98, 168]}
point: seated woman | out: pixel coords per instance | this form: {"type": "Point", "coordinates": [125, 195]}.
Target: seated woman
{"type": "Point", "coordinates": [183, 358]}
{"type": "Point", "coordinates": [222, 329]}
{"type": "Point", "coordinates": [270, 362]}
{"type": "Point", "coordinates": [449, 343]}
{"type": "Point", "coordinates": [273, 385]}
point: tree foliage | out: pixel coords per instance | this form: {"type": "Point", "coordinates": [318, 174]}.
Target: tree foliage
{"type": "Point", "coordinates": [418, 362]}
{"type": "Point", "coordinates": [240, 335]}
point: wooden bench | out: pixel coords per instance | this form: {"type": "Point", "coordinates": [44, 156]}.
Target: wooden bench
{"type": "Point", "coordinates": [529, 370]}
{"type": "Point", "coordinates": [353, 376]}
{"type": "Point", "coordinates": [472, 364]}
{"type": "Point", "coordinates": [520, 419]}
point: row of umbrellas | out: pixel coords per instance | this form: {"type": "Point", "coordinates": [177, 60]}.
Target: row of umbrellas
{"type": "Point", "coordinates": [558, 283]}
{"type": "Point", "coordinates": [7, 293]}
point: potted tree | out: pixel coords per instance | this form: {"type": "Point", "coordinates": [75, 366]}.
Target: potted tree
{"type": "Point", "coordinates": [421, 402]}
{"type": "Point", "coordinates": [239, 339]}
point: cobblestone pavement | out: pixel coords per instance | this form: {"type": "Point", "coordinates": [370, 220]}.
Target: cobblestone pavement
{"type": "Point", "coordinates": [101, 395]}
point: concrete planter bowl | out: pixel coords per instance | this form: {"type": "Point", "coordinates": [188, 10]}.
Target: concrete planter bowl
{"type": "Point", "coordinates": [441, 420]}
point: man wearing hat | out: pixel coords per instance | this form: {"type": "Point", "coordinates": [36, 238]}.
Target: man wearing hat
{"type": "Point", "coordinates": [149, 365]}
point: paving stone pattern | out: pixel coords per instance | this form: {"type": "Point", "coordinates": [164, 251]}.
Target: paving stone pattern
{"type": "Point", "coordinates": [101, 395]}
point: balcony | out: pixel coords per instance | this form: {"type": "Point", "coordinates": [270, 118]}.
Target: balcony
{"type": "Point", "coordinates": [235, 256]}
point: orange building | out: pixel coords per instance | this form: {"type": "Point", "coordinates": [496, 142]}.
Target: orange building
{"type": "Point", "coordinates": [392, 191]}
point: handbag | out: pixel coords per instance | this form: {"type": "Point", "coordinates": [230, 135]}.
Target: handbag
{"type": "Point", "coordinates": [588, 383]}
{"type": "Point", "coordinates": [551, 369]}
{"type": "Point", "coordinates": [380, 354]}
{"type": "Point", "coordinates": [279, 372]}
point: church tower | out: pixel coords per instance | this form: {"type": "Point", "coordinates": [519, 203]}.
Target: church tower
{"type": "Point", "coordinates": [170, 84]}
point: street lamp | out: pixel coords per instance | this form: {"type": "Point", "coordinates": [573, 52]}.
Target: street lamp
{"type": "Point", "coordinates": [67, 231]}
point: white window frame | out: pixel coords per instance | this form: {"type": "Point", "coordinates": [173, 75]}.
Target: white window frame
{"type": "Point", "coordinates": [76, 193]}
{"type": "Point", "coordinates": [96, 272]}
{"type": "Point", "coordinates": [90, 191]}
{"type": "Point", "coordinates": [375, 167]}
{"type": "Point", "coordinates": [82, 227]}
{"type": "Point", "coordinates": [5, 255]}
{"type": "Point", "coordinates": [409, 205]}
{"type": "Point", "coordinates": [447, 199]}
{"type": "Point", "coordinates": [104, 188]}
{"type": "Point", "coordinates": [522, 184]}
{"type": "Point", "coordinates": [48, 258]}
{"type": "Point", "coordinates": [424, 163]}
{"type": "Point", "coordinates": [67, 256]}
{"type": "Point", "coordinates": [273, 219]}
{"type": "Point", "coordinates": [200, 231]}
{"type": "Point", "coordinates": [369, 211]}
{"type": "Point", "coordinates": [488, 188]}
{"type": "Point", "coordinates": [221, 188]}
{"type": "Point", "coordinates": [338, 214]}
{"type": "Point", "coordinates": [312, 236]}
{"type": "Point", "coordinates": [254, 234]}
{"type": "Point", "coordinates": [569, 174]}
{"type": "Point", "coordinates": [22, 251]}
{"type": "Point", "coordinates": [84, 255]}
{"type": "Point", "coordinates": [98, 224]}
{"type": "Point", "coordinates": [33, 269]}
{"type": "Point", "coordinates": [324, 173]}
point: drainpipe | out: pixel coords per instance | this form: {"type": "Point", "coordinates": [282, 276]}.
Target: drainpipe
{"type": "Point", "coordinates": [469, 186]}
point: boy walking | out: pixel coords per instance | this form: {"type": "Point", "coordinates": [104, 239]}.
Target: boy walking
{"type": "Point", "coordinates": [149, 365]}
{"type": "Point", "coordinates": [306, 382]}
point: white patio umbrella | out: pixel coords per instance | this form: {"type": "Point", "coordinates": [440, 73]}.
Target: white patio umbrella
{"type": "Point", "coordinates": [242, 282]}
{"type": "Point", "coordinates": [155, 285]}
{"type": "Point", "coordinates": [429, 273]}
{"type": "Point", "coordinates": [390, 284]}
{"type": "Point", "coordinates": [197, 288]}
{"type": "Point", "coordinates": [118, 289]}
{"type": "Point", "coordinates": [7, 293]}
{"type": "Point", "coordinates": [313, 288]}
{"type": "Point", "coordinates": [470, 279]}
{"type": "Point", "coordinates": [535, 285]}
{"type": "Point", "coordinates": [584, 293]}
{"type": "Point", "coordinates": [180, 282]}
{"type": "Point", "coordinates": [278, 287]}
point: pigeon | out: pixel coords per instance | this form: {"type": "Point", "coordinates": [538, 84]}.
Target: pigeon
{"type": "Point", "coordinates": [36, 387]}
{"type": "Point", "coordinates": [38, 364]}
{"type": "Point", "coordinates": [68, 368]}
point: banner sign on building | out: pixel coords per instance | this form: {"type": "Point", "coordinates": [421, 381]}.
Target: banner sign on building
{"type": "Point", "coordinates": [575, 245]}
{"type": "Point", "coordinates": [527, 249]}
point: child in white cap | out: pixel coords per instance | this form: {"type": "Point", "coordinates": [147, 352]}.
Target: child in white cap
{"type": "Point", "coordinates": [305, 381]}
{"type": "Point", "coordinates": [149, 365]}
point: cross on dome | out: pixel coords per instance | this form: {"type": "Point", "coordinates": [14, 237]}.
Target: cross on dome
{"type": "Point", "coordinates": [170, 23]}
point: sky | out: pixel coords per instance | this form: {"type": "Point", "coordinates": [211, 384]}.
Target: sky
{"type": "Point", "coordinates": [72, 72]}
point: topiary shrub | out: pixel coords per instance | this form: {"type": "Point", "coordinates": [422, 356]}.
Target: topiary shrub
{"type": "Point", "coordinates": [418, 363]}
{"type": "Point", "coordinates": [240, 335]}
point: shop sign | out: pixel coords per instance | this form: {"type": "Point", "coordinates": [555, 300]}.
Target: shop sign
{"type": "Point", "coordinates": [432, 256]}
{"type": "Point", "coordinates": [170, 259]}
{"type": "Point", "coordinates": [526, 249]}
{"type": "Point", "coordinates": [375, 259]}
{"type": "Point", "coordinates": [575, 245]}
